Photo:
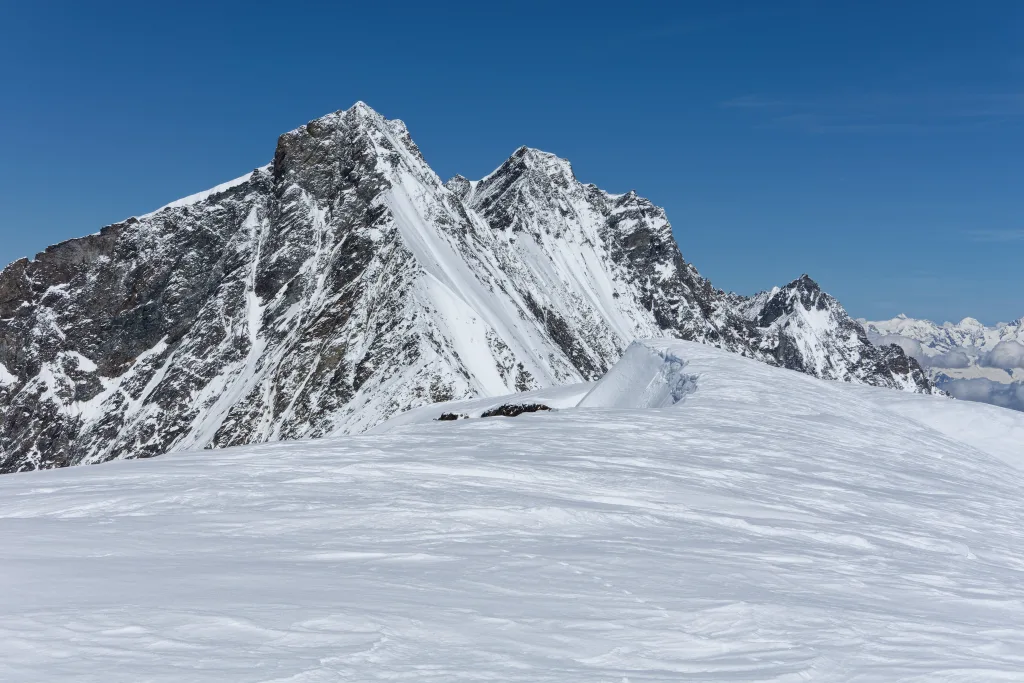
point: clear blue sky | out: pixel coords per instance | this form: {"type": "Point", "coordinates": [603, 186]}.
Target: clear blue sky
{"type": "Point", "coordinates": [878, 146]}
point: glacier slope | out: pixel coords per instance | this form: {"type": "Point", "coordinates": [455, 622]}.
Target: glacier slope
{"type": "Point", "coordinates": [768, 526]}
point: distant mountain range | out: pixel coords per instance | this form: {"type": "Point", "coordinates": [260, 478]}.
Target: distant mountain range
{"type": "Point", "coordinates": [345, 282]}
{"type": "Point", "coordinates": [967, 359]}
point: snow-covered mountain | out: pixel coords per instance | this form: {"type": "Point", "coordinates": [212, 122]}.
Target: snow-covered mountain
{"type": "Point", "coordinates": [969, 360]}
{"type": "Point", "coordinates": [344, 283]}
{"type": "Point", "coordinates": [703, 517]}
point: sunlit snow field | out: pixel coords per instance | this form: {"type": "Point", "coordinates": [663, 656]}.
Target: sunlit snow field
{"type": "Point", "coordinates": [767, 527]}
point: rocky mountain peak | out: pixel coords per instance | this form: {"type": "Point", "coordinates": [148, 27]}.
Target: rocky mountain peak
{"type": "Point", "coordinates": [806, 283]}
{"type": "Point", "coordinates": [459, 185]}
{"type": "Point", "coordinates": [807, 329]}
{"type": "Point", "coordinates": [547, 163]}
{"type": "Point", "coordinates": [344, 283]}
{"type": "Point", "coordinates": [351, 144]}
{"type": "Point", "coordinates": [532, 172]}
{"type": "Point", "coordinates": [803, 292]}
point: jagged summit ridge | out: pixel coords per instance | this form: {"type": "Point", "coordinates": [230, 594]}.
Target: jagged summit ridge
{"type": "Point", "coordinates": [343, 283]}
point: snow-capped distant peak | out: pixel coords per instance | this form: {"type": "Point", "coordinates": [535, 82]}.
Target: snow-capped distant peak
{"type": "Point", "coordinates": [962, 358]}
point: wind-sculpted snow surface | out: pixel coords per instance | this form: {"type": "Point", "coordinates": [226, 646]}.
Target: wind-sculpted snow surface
{"type": "Point", "coordinates": [651, 374]}
{"type": "Point", "coordinates": [768, 527]}
{"type": "Point", "coordinates": [345, 283]}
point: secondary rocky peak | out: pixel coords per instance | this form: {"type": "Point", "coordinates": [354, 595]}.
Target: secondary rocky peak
{"type": "Point", "coordinates": [803, 292]}
{"type": "Point", "coordinates": [460, 186]}
{"type": "Point", "coordinates": [550, 164]}
{"type": "Point", "coordinates": [806, 283]}
{"type": "Point", "coordinates": [629, 208]}
{"type": "Point", "coordinates": [528, 167]}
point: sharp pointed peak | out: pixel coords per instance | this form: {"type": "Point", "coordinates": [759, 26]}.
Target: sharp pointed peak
{"type": "Point", "coordinates": [361, 109]}
{"type": "Point", "coordinates": [359, 124]}
{"type": "Point", "coordinates": [533, 153]}
{"type": "Point", "coordinates": [365, 111]}
{"type": "Point", "coordinates": [540, 161]}
{"type": "Point", "coordinates": [805, 288]}
{"type": "Point", "coordinates": [630, 197]}
{"type": "Point", "coordinates": [360, 112]}
{"type": "Point", "coordinates": [804, 282]}
{"type": "Point", "coordinates": [460, 185]}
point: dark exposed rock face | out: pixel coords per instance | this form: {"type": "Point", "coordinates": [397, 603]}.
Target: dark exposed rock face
{"type": "Point", "coordinates": [514, 409]}
{"type": "Point", "coordinates": [343, 283]}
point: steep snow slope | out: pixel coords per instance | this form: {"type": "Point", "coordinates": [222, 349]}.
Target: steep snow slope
{"type": "Point", "coordinates": [767, 527]}
{"type": "Point", "coordinates": [344, 283]}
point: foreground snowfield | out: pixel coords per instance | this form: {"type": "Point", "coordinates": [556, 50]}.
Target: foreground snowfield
{"type": "Point", "coordinates": [767, 527]}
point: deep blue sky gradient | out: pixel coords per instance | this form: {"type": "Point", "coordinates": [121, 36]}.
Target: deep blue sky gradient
{"type": "Point", "coordinates": [878, 146]}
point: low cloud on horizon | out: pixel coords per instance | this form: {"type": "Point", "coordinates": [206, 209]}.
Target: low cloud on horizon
{"type": "Point", "coordinates": [984, 390]}
{"type": "Point", "coordinates": [954, 358]}
{"type": "Point", "coordinates": [1006, 355]}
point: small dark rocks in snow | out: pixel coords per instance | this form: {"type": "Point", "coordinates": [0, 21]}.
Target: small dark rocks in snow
{"type": "Point", "coordinates": [514, 409]}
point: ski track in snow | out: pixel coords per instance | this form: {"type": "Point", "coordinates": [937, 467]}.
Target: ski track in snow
{"type": "Point", "coordinates": [767, 527]}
